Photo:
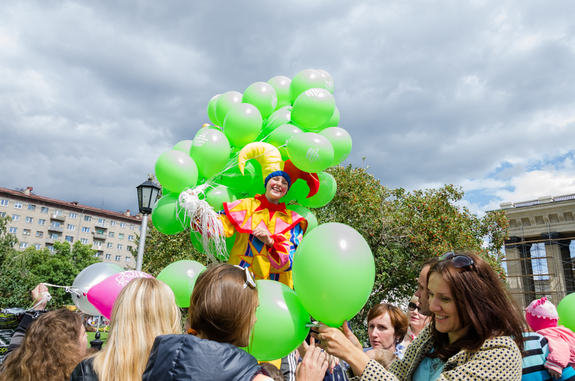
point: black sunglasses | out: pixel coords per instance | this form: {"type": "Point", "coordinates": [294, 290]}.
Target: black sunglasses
{"type": "Point", "coordinates": [458, 261]}
{"type": "Point", "coordinates": [412, 307]}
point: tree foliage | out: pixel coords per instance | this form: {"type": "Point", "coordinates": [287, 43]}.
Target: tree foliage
{"type": "Point", "coordinates": [21, 271]}
{"type": "Point", "coordinates": [404, 229]}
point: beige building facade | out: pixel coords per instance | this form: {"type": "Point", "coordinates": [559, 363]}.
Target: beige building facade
{"type": "Point", "coordinates": [40, 221]}
{"type": "Point", "coordinates": [540, 248]}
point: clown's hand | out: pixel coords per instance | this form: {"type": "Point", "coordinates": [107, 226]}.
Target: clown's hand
{"type": "Point", "coordinates": [263, 235]}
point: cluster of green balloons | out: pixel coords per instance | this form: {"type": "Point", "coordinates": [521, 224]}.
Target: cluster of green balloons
{"type": "Point", "coordinates": [298, 116]}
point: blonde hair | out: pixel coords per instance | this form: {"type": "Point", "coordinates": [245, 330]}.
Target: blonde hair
{"type": "Point", "coordinates": [144, 309]}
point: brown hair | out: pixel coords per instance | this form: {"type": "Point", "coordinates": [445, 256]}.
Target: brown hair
{"type": "Point", "coordinates": [50, 349]}
{"type": "Point", "coordinates": [273, 371]}
{"type": "Point", "coordinates": [221, 309]}
{"type": "Point", "coordinates": [383, 356]}
{"type": "Point", "coordinates": [478, 293]}
{"type": "Point", "coordinates": [396, 316]}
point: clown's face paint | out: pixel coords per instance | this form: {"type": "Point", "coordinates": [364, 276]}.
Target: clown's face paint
{"type": "Point", "coordinates": [277, 188]}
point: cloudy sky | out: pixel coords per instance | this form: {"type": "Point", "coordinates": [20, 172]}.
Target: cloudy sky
{"type": "Point", "coordinates": [475, 93]}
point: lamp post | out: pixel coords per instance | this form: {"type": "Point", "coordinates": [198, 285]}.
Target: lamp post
{"type": "Point", "coordinates": [147, 196]}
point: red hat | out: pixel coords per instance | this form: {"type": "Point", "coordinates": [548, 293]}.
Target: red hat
{"type": "Point", "coordinates": [295, 173]}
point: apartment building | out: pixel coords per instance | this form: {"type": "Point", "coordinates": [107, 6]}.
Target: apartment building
{"type": "Point", "coordinates": [40, 221]}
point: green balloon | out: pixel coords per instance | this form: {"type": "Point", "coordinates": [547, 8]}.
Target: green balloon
{"type": "Point", "coordinates": [211, 151]}
{"type": "Point", "coordinates": [165, 217]}
{"type": "Point", "coordinates": [263, 96]}
{"type": "Point", "coordinates": [281, 135]}
{"type": "Point", "coordinates": [196, 239]}
{"type": "Point", "coordinates": [566, 311]}
{"type": "Point", "coordinates": [305, 80]}
{"type": "Point", "coordinates": [332, 122]}
{"type": "Point", "coordinates": [278, 118]}
{"type": "Point", "coordinates": [313, 108]}
{"type": "Point", "coordinates": [281, 85]}
{"type": "Point", "coordinates": [176, 171]}
{"type": "Point", "coordinates": [233, 178]}
{"type": "Point", "coordinates": [243, 124]}
{"type": "Point", "coordinates": [310, 152]}
{"type": "Point", "coordinates": [183, 146]}
{"type": "Point", "coordinates": [212, 109]}
{"type": "Point", "coordinates": [219, 194]}
{"type": "Point", "coordinates": [298, 190]}
{"type": "Point", "coordinates": [329, 85]}
{"type": "Point", "coordinates": [181, 277]}
{"type": "Point", "coordinates": [341, 288]}
{"type": "Point", "coordinates": [307, 214]}
{"type": "Point", "coordinates": [281, 322]}
{"type": "Point", "coordinates": [326, 192]}
{"type": "Point", "coordinates": [340, 141]}
{"type": "Point", "coordinates": [224, 104]}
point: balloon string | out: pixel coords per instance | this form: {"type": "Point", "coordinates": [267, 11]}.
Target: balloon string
{"type": "Point", "coordinates": [68, 289]}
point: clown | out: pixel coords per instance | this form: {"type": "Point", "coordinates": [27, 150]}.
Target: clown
{"type": "Point", "coordinates": [267, 233]}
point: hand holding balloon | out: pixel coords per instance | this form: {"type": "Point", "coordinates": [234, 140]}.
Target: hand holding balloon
{"type": "Point", "coordinates": [314, 363]}
{"type": "Point", "coordinates": [342, 343]}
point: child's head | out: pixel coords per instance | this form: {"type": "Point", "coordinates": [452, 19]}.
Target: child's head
{"type": "Point", "coordinates": [541, 314]}
{"type": "Point", "coordinates": [273, 371]}
{"type": "Point", "coordinates": [383, 356]}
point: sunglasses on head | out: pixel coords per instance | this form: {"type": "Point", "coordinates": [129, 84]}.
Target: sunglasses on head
{"type": "Point", "coordinates": [458, 261]}
{"type": "Point", "coordinates": [412, 307]}
{"type": "Point", "coordinates": [249, 278]}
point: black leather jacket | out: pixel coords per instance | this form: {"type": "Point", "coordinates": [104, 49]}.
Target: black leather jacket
{"type": "Point", "coordinates": [186, 357]}
{"type": "Point", "coordinates": [84, 371]}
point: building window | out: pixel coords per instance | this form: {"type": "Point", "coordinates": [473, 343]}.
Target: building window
{"type": "Point", "coordinates": [119, 247]}
{"type": "Point", "coordinates": [23, 245]}
{"type": "Point", "coordinates": [108, 256]}
{"type": "Point", "coordinates": [69, 238]}
{"type": "Point", "coordinates": [41, 222]}
{"type": "Point", "coordinates": [111, 234]}
{"type": "Point", "coordinates": [55, 224]}
{"type": "Point", "coordinates": [98, 243]}
{"type": "Point", "coordinates": [128, 247]}
{"type": "Point", "coordinates": [26, 232]}
{"type": "Point", "coordinates": [54, 236]}
{"type": "Point", "coordinates": [4, 202]}
{"type": "Point", "coordinates": [29, 220]}
{"type": "Point", "coordinates": [15, 217]}
{"type": "Point", "coordinates": [118, 257]}
{"type": "Point", "coordinates": [100, 231]}
{"type": "Point", "coordinates": [37, 246]}
{"type": "Point", "coordinates": [31, 207]}
{"type": "Point", "coordinates": [43, 210]}
{"type": "Point", "coordinates": [112, 223]}
{"type": "Point", "coordinates": [51, 248]}
{"type": "Point", "coordinates": [58, 213]}
{"type": "Point", "coordinates": [3, 214]}
{"type": "Point", "coordinates": [18, 205]}
{"type": "Point", "coordinates": [110, 245]}
{"type": "Point", "coordinates": [128, 259]}
{"type": "Point", "coordinates": [121, 235]}
{"type": "Point", "coordinates": [13, 230]}
{"type": "Point", "coordinates": [97, 255]}
{"type": "Point", "coordinates": [84, 241]}
{"type": "Point", "coordinates": [122, 225]}
{"type": "Point", "coordinates": [71, 227]}
{"type": "Point", "coordinates": [101, 221]}
{"type": "Point", "coordinates": [85, 229]}
{"type": "Point", "coordinates": [73, 215]}
{"type": "Point", "coordinates": [131, 227]}
{"type": "Point", "coordinates": [39, 234]}
{"type": "Point", "coordinates": [130, 238]}
{"type": "Point", "coordinates": [87, 218]}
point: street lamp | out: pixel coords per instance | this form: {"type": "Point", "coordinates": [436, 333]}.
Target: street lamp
{"type": "Point", "coordinates": [147, 196]}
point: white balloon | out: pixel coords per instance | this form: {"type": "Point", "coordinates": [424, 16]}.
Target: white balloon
{"type": "Point", "coordinates": [91, 276]}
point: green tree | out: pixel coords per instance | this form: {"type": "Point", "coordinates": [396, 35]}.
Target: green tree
{"type": "Point", "coordinates": [404, 229]}
{"type": "Point", "coordinates": [7, 240]}
{"type": "Point", "coordinates": [23, 270]}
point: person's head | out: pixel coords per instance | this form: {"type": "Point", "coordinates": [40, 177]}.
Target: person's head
{"type": "Point", "coordinates": [277, 184]}
{"type": "Point", "coordinates": [144, 309]}
{"type": "Point", "coordinates": [52, 347]}
{"type": "Point", "coordinates": [421, 292]}
{"type": "Point", "coordinates": [383, 356]}
{"type": "Point", "coordinates": [470, 303]}
{"type": "Point", "coordinates": [223, 304]}
{"type": "Point", "coordinates": [387, 326]}
{"type": "Point", "coordinates": [417, 321]}
{"type": "Point", "coordinates": [541, 314]}
{"type": "Point", "coordinates": [273, 371]}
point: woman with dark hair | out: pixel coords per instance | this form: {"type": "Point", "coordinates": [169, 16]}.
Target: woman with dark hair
{"type": "Point", "coordinates": [53, 345]}
{"type": "Point", "coordinates": [475, 330]}
{"type": "Point", "coordinates": [222, 314]}
{"type": "Point", "coordinates": [387, 325]}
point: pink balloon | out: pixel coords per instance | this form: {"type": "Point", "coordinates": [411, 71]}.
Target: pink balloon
{"type": "Point", "coordinates": [104, 294]}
